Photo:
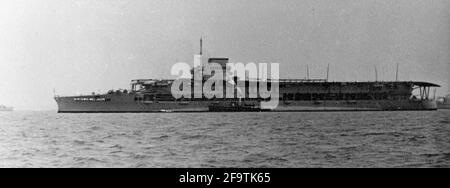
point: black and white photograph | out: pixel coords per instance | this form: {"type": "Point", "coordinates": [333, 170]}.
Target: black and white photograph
{"type": "Point", "coordinates": [225, 84]}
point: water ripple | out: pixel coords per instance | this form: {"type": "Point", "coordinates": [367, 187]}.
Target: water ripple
{"type": "Point", "coordinates": [210, 140]}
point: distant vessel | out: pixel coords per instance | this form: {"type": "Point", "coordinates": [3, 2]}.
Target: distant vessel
{"type": "Point", "coordinates": [153, 95]}
{"type": "Point", "coordinates": [444, 102]}
{"type": "Point", "coordinates": [5, 108]}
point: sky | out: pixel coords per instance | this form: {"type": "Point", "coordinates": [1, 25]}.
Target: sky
{"type": "Point", "coordinates": [83, 46]}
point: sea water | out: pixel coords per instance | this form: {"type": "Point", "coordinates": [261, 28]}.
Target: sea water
{"type": "Point", "coordinates": [254, 139]}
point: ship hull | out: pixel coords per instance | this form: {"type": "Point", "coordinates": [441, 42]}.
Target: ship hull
{"type": "Point", "coordinates": [126, 104]}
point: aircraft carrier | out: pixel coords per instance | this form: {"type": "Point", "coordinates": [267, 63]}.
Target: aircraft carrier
{"type": "Point", "coordinates": [295, 95]}
{"type": "Point", "coordinates": [154, 95]}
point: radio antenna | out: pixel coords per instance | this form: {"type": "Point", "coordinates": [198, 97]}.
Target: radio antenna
{"type": "Point", "coordinates": [201, 45]}
{"type": "Point", "coordinates": [376, 74]}
{"type": "Point", "coordinates": [307, 72]}
{"type": "Point", "coordinates": [328, 71]}
{"type": "Point", "coordinates": [396, 73]}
